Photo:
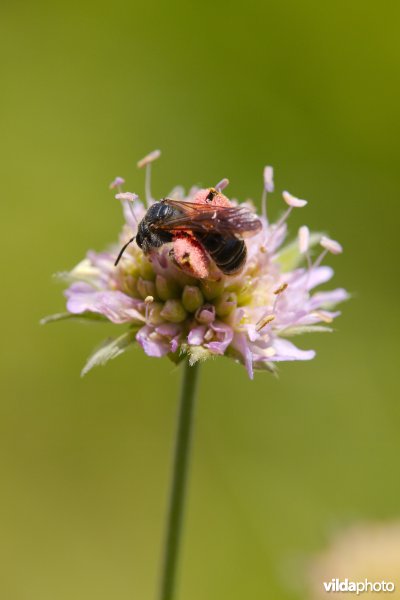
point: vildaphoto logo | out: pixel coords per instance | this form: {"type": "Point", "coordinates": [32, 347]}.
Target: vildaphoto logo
{"type": "Point", "coordinates": [358, 587]}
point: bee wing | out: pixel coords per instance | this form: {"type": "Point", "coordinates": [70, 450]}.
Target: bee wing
{"type": "Point", "coordinates": [229, 221]}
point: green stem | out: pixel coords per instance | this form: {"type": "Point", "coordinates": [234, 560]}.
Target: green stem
{"type": "Point", "coordinates": [178, 483]}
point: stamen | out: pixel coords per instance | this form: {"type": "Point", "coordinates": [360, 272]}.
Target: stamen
{"type": "Point", "coordinates": [149, 158]}
{"type": "Point", "coordinates": [319, 260]}
{"type": "Point", "coordinates": [128, 199]}
{"type": "Point", "coordinates": [268, 318]}
{"type": "Point", "coordinates": [324, 316]}
{"type": "Point", "coordinates": [127, 196]}
{"type": "Point", "coordinates": [268, 187]}
{"type": "Point", "coordinates": [278, 294]}
{"type": "Point", "coordinates": [146, 162]}
{"type": "Point", "coordinates": [148, 301]}
{"type": "Point", "coordinates": [304, 243]}
{"type": "Point", "coordinates": [221, 185]}
{"type": "Point", "coordinates": [293, 201]}
{"type": "Point", "coordinates": [331, 245]}
{"type": "Point", "coordinates": [280, 289]}
{"type": "Point", "coordinates": [264, 321]}
{"type": "Point", "coordinates": [117, 183]}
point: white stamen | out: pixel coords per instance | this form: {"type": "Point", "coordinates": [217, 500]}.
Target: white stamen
{"type": "Point", "coordinates": [149, 158]}
{"type": "Point", "coordinates": [319, 260]}
{"type": "Point", "coordinates": [304, 239]}
{"type": "Point", "coordinates": [221, 185]}
{"type": "Point", "coordinates": [146, 162]}
{"type": "Point", "coordinates": [268, 187]}
{"type": "Point", "coordinates": [279, 224]}
{"type": "Point", "coordinates": [269, 178]}
{"type": "Point", "coordinates": [148, 301]}
{"type": "Point", "coordinates": [127, 196]}
{"type": "Point", "coordinates": [331, 245]}
{"type": "Point", "coordinates": [292, 200]}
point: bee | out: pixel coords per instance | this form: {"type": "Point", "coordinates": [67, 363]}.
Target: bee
{"type": "Point", "coordinates": [219, 229]}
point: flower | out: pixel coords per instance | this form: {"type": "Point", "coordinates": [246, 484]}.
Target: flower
{"type": "Point", "coordinates": [175, 302]}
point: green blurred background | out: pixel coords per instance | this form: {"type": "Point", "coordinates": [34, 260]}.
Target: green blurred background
{"type": "Point", "coordinates": [88, 88]}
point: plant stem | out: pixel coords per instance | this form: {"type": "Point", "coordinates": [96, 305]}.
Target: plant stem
{"type": "Point", "coordinates": [178, 483]}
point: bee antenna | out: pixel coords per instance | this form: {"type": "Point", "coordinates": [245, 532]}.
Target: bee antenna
{"type": "Point", "coordinates": [123, 250]}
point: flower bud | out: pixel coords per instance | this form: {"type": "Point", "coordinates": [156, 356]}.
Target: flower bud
{"type": "Point", "coordinates": [173, 311]}
{"type": "Point", "coordinates": [212, 289]}
{"type": "Point", "coordinates": [155, 317]}
{"type": "Point", "coordinates": [205, 314]}
{"type": "Point", "coordinates": [244, 295]}
{"type": "Point", "coordinates": [226, 304]}
{"type": "Point", "coordinates": [166, 288]}
{"type": "Point", "coordinates": [192, 298]}
{"type": "Point", "coordinates": [146, 288]}
{"type": "Point", "coordinates": [146, 268]}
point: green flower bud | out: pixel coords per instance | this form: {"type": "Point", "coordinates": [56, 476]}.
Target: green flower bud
{"type": "Point", "coordinates": [146, 288]}
{"type": "Point", "coordinates": [225, 304]}
{"type": "Point", "coordinates": [192, 298]}
{"type": "Point", "coordinates": [212, 289]}
{"type": "Point", "coordinates": [166, 288]}
{"type": "Point", "coordinates": [155, 310]}
{"type": "Point", "coordinates": [173, 311]}
{"type": "Point", "coordinates": [146, 268]}
{"type": "Point", "coordinates": [244, 295]}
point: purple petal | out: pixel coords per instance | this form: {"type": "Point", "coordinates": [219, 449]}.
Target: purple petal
{"type": "Point", "coordinates": [240, 344]}
{"type": "Point", "coordinates": [168, 329]}
{"type": "Point", "coordinates": [152, 344]}
{"type": "Point", "coordinates": [115, 305]}
{"type": "Point", "coordinates": [196, 335]}
{"type": "Point", "coordinates": [285, 350]}
{"type": "Point", "coordinates": [224, 337]}
{"type": "Point", "coordinates": [328, 298]}
{"type": "Point", "coordinates": [318, 276]}
{"type": "Point", "coordinates": [174, 344]}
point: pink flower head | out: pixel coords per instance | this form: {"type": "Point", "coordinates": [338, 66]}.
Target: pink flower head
{"type": "Point", "coordinates": [175, 302]}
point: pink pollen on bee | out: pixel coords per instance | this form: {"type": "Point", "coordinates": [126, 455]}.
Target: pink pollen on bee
{"type": "Point", "coordinates": [218, 200]}
{"type": "Point", "coordinates": [191, 256]}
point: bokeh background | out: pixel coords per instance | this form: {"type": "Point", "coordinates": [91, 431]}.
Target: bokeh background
{"type": "Point", "coordinates": [279, 465]}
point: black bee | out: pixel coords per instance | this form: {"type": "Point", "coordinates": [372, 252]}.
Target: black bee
{"type": "Point", "coordinates": [219, 229]}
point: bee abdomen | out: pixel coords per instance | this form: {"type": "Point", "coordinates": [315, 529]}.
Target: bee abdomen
{"type": "Point", "coordinates": [229, 254]}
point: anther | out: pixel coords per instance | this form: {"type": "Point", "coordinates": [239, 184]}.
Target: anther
{"type": "Point", "coordinates": [280, 289]}
{"type": "Point", "coordinates": [264, 321]}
